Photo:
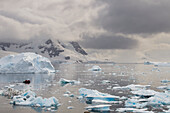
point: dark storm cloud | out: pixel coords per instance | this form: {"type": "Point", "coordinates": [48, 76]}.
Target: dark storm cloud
{"type": "Point", "coordinates": [135, 16]}
{"type": "Point", "coordinates": [108, 42]}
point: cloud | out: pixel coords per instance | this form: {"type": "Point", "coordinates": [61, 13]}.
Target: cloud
{"type": "Point", "coordinates": [57, 19]}
{"type": "Point", "coordinates": [135, 16]}
{"type": "Point", "coordinates": [139, 22]}
{"type": "Point", "coordinates": [105, 41]}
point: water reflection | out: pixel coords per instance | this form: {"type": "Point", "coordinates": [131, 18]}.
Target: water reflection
{"type": "Point", "coordinates": [38, 81]}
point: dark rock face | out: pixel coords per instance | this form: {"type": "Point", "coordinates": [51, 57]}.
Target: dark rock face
{"type": "Point", "coordinates": [78, 48]}
{"type": "Point", "coordinates": [4, 45]}
{"type": "Point", "coordinates": [61, 44]}
{"type": "Point", "coordinates": [48, 47]}
{"type": "Point", "coordinates": [67, 57]}
{"type": "Point", "coordinates": [52, 50]}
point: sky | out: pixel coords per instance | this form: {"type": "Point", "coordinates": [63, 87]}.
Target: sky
{"type": "Point", "coordinates": [140, 27]}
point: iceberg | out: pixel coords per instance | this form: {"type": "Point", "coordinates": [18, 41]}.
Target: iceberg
{"type": "Point", "coordinates": [92, 95]}
{"type": "Point", "coordinates": [10, 91]}
{"type": "Point", "coordinates": [95, 68]}
{"type": "Point", "coordinates": [165, 81]}
{"type": "Point", "coordinates": [133, 110]}
{"type": "Point", "coordinates": [63, 82]}
{"type": "Point", "coordinates": [157, 64]}
{"type": "Point", "coordinates": [160, 99]}
{"type": "Point", "coordinates": [153, 98]}
{"type": "Point", "coordinates": [144, 93]}
{"type": "Point", "coordinates": [29, 98]}
{"type": "Point", "coordinates": [164, 87]}
{"type": "Point", "coordinates": [132, 87]}
{"type": "Point", "coordinates": [96, 108]}
{"type": "Point", "coordinates": [134, 103]}
{"type": "Point", "coordinates": [106, 82]}
{"type": "Point", "coordinates": [26, 63]}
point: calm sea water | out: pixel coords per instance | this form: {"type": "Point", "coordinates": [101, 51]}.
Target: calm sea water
{"type": "Point", "coordinates": [47, 85]}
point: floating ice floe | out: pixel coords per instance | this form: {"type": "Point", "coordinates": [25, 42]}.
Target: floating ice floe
{"type": "Point", "coordinates": [165, 81]}
{"type": "Point", "coordinates": [68, 94]}
{"type": "Point", "coordinates": [70, 107]}
{"type": "Point", "coordinates": [133, 110]}
{"type": "Point", "coordinates": [158, 64]}
{"type": "Point", "coordinates": [95, 101]}
{"type": "Point", "coordinates": [63, 82]}
{"type": "Point", "coordinates": [132, 87]}
{"type": "Point", "coordinates": [160, 98]}
{"type": "Point", "coordinates": [143, 97]}
{"type": "Point", "coordinates": [99, 108]}
{"type": "Point", "coordinates": [26, 63]}
{"type": "Point", "coordinates": [144, 93]}
{"type": "Point", "coordinates": [9, 91]}
{"type": "Point", "coordinates": [30, 99]}
{"type": "Point", "coordinates": [95, 68]}
{"type": "Point", "coordinates": [92, 95]}
{"type": "Point", "coordinates": [164, 87]}
{"type": "Point", "coordinates": [134, 103]}
{"type": "Point", "coordinates": [106, 81]}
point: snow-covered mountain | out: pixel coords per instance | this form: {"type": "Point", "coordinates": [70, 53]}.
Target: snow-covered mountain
{"type": "Point", "coordinates": [56, 51]}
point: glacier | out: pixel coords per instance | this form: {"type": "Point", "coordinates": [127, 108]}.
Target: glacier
{"type": "Point", "coordinates": [26, 63]}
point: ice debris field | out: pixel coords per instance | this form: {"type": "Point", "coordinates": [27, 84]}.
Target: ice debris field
{"type": "Point", "coordinates": [25, 63]}
{"type": "Point", "coordinates": [139, 99]}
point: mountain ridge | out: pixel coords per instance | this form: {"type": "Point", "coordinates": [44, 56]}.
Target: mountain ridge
{"type": "Point", "coordinates": [54, 50]}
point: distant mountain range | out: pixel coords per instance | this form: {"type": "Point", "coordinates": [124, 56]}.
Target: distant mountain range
{"type": "Point", "coordinates": [54, 50]}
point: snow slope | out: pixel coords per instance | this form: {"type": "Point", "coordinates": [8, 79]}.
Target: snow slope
{"type": "Point", "coordinates": [25, 63]}
{"type": "Point", "coordinates": [55, 50]}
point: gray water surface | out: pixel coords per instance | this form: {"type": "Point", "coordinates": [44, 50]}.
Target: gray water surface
{"type": "Point", "coordinates": [47, 85]}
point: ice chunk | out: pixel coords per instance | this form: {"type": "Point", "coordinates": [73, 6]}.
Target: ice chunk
{"type": "Point", "coordinates": [10, 91]}
{"type": "Point", "coordinates": [95, 101]}
{"type": "Point", "coordinates": [165, 81]}
{"type": "Point", "coordinates": [158, 64]}
{"type": "Point", "coordinates": [99, 108]}
{"type": "Point", "coordinates": [134, 103]}
{"type": "Point", "coordinates": [113, 73]}
{"type": "Point", "coordinates": [26, 63]}
{"type": "Point", "coordinates": [95, 68]}
{"type": "Point", "coordinates": [160, 99]}
{"type": "Point", "coordinates": [29, 99]}
{"type": "Point", "coordinates": [70, 107]}
{"type": "Point", "coordinates": [164, 87]}
{"type": "Point", "coordinates": [132, 87]}
{"type": "Point", "coordinates": [144, 93]}
{"type": "Point", "coordinates": [105, 81]}
{"type": "Point", "coordinates": [96, 95]}
{"type": "Point", "coordinates": [63, 82]}
{"type": "Point", "coordinates": [133, 110]}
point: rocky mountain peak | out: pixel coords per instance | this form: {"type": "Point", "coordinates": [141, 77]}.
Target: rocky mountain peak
{"type": "Point", "coordinates": [78, 48]}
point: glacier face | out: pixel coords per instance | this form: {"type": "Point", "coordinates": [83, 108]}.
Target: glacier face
{"type": "Point", "coordinates": [26, 63]}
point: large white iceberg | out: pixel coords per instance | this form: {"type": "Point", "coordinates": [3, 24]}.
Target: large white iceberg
{"type": "Point", "coordinates": [26, 63]}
